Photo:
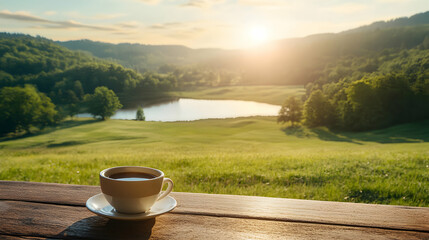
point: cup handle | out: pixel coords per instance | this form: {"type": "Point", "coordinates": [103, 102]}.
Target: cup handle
{"type": "Point", "coordinates": [169, 188]}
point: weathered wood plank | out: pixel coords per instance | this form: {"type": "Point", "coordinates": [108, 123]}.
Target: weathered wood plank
{"type": "Point", "coordinates": [26, 219]}
{"type": "Point", "coordinates": [64, 194]}
{"type": "Point", "coordinates": [353, 214]}
{"type": "Point", "coordinates": [293, 210]}
{"type": "Point", "coordinates": [8, 237]}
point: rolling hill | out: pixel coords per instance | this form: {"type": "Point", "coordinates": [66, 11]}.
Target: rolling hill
{"type": "Point", "coordinates": [288, 61]}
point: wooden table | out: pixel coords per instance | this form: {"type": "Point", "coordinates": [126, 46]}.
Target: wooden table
{"type": "Point", "coordinates": [57, 211]}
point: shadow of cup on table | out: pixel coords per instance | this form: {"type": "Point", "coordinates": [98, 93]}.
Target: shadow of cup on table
{"type": "Point", "coordinates": [102, 228]}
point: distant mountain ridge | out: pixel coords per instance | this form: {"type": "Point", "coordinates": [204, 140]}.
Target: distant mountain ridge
{"type": "Point", "coordinates": [150, 57]}
{"type": "Point", "coordinates": [417, 19]}
{"type": "Point", "coordinates": [287, 61]}
{"type": "Point", "coordinates": [63, 74]}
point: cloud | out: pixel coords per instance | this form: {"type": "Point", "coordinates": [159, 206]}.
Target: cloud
{"type": "Point", "coordinates": [22, 16]}
{"type": "Point", "coordinates": [123, 33]}
{"type": "Point", "coordinates": [73, 25]}
{"type": "Point", "coordinates": [202, 3]}
{"type": "Point", "coordinates": [166, 26]}
{"type": "Point", "coordinates": [26, 17]}
{"type": "Point", "coordinates": [50, 13]}
{"type": "Point", "coordinates": [349, 8]}
{"type": "Point", "coordinates": [185, 30]}
{"type": "Point", "coordinates": [132, 24]}
{"type": "Point", "coordinates": [78, 15]}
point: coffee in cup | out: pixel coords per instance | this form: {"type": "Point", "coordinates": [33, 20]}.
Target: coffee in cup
{"type": "Point", "coordinates": [132, 189]}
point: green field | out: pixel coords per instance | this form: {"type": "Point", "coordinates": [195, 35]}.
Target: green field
{"type": "Point", "coordinates": [266, 94]}
{"type": "Point", "coordinates": [271, 94]}
{"type": "Point", "coordinates": [249, 156]}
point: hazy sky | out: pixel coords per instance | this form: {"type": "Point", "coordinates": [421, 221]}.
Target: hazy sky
{"type": "Point", "coordinates": [195, 23]}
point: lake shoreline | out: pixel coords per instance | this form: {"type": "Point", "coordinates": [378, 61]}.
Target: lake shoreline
{"type": "Point", "coordinates": [186, 109]}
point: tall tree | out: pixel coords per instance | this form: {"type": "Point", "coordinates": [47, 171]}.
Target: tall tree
{"type": "Point", "coordinates": [103, 103]}
{"type": "Point", "coordinates": [318, 110]}
{"type": "Point", "coordinates": [140, 114]}
{"type": "Point", "coordinates": [22, 108]}
{"type": "Point", "coordinates": [291, 111]}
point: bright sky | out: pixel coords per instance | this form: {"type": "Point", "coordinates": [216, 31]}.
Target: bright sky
{"type": "Point", "coordinates": [195, 23]}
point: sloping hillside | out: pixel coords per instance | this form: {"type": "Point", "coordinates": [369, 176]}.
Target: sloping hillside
{"type": "Point", "coordinates": [288, 61]}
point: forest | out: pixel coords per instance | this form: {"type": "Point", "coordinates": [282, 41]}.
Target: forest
{"type": "Point", "coordinates": [367, 78]}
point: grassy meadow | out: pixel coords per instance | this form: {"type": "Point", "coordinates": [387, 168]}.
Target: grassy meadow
{"type": "Point", "coordinates": [248, 156]}
{"type": "Point", "coordinates": [267, 94]}
{"type": "Point", "coordinates": [271, 94]}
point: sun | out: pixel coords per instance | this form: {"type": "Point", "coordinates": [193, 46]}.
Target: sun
{"type": "Point", "coordinates": [258, 34]}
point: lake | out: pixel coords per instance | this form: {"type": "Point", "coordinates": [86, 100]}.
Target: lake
{"type": "Point", "coordinates": [185, 109]}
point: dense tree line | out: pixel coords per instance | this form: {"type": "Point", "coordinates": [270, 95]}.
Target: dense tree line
{"type": "Point", "coordinates": [370, 92]}
{"type": "Point", "coordinates": [67, 75]}
{"type": "Point", "coordinates": [143, 58]}
{"type": "Point", "coordinates": [189, 77]}
{"type": "Point", "coordinates": [22, 55]}
{"type": "Point", "coordinates": [24, 107]}
{"type": "Point", "coordinates": [41, 83]}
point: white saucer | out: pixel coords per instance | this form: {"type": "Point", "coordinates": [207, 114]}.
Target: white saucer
{"type": "Point", "coordinates": [99, 205]}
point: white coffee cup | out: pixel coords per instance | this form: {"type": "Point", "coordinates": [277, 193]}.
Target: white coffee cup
{"type": "Point", "coordinates": [132, 189]}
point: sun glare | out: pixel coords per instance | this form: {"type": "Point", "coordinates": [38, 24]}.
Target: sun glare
{"type": "Point", "coordinates": [258, 34]}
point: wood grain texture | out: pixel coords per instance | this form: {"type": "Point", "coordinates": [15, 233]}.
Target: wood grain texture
{"type": "Point", "coordinates": [294, 210]}
{"type": "Point", "coordinates": [8, 237]}
{"type": "Point", "coordinates": [64, 194]}
{"type": "Point", "coordinates": [233, 206]}
{"type": "Point", "coordinates": [26, 219]}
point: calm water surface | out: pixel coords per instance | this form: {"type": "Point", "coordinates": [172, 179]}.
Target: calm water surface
{"type": "Point", "coordinates": [196, 109]}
